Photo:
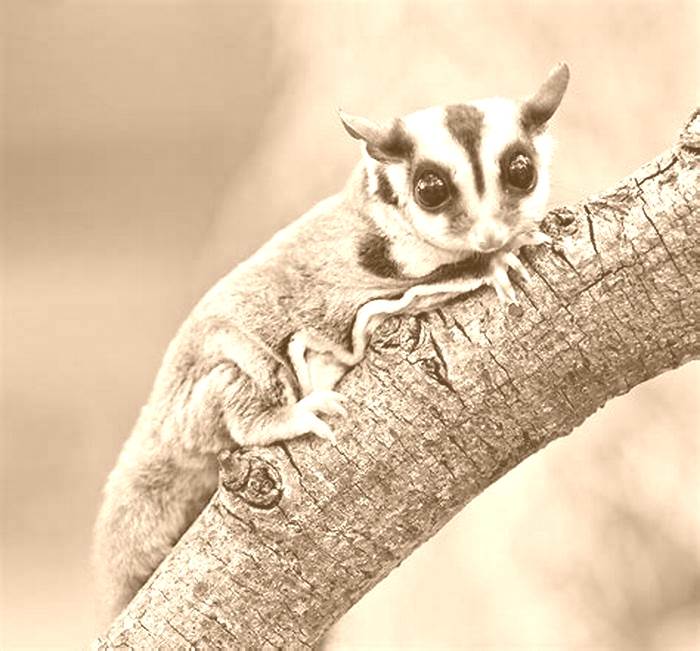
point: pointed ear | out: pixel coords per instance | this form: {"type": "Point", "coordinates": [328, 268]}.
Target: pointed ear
{"type": "Point", "coordinates": [360, 128]}
{"type": "Point", "coordinates": [387, 143]}
{"type": "Point", "coordinates": [537, 109]}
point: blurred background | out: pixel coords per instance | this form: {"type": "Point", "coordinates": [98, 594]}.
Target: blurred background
{"type": "Point", "coordinates": [149, 146]}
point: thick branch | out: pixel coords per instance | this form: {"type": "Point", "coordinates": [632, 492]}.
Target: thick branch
{"type": "Point", "coordinates": [443, 406]}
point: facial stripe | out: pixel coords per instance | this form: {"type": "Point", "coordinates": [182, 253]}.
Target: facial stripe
{"type": "Point", "coordinates": [374, 255]}
{"type": "Point", "coordinates": [465, 123]}
{"type": "Point", "coordinates": [385, 191]}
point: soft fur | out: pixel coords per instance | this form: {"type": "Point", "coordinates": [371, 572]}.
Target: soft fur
{"type": "Point", "coordinates": [257, 360]}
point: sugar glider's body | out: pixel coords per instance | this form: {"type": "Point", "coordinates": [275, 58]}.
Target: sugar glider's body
{"type": "Point", "coordinates": [441, 203]}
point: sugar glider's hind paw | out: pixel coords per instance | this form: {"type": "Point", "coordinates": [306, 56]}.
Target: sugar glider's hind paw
{"type": "Point", "coordinates": [319, 364]}
{"type": "Point", "coordinates": [305, 414]}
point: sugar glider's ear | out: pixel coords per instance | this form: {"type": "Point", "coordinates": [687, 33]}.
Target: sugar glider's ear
{"type": "Point", "coordinates": [537, 109]}
{"type": "Point", "coordinates": [387, 143]}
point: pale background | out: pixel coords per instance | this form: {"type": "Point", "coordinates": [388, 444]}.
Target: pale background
{"type": "Point", "coordinates": [149, 146]}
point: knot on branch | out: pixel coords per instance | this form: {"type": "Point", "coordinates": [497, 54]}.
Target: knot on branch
{"type": "Point", "coordinates": [250, 477]}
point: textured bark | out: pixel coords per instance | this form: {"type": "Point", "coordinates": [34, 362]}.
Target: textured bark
{"type": "Point", "coordinates": [444, 405]}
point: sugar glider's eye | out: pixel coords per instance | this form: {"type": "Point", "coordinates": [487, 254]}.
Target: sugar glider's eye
{"type": "Point", "coordinates": [520, 171]}
{"type": "Point", "coordinates": [431, 190]}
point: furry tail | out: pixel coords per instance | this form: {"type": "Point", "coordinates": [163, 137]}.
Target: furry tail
{"type": "Point", "coordinates": [148, 504]}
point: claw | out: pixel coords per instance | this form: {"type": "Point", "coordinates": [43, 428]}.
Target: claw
{"type": "Point", "coordinates": [534, 238]}
{"type": "Point", "coordinates": [501, 283]}
{"type": "Point", "coordinates": [513, 261]}
{"type": "Point", "coordinates": [539, 237]}
{"type": "Point", "coordinates": [321, 429]}
{"type": "Point", "coordinates": [499, 280]}
{"type": "Point", "coordinates": [309, 423]}
{"type": "Point", "coordinates": [324, 402]}
{"type": "Point", "coordinates": [327, 402]}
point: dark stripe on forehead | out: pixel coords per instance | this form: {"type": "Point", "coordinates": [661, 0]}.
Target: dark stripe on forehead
{"type": "Point", "coordinates": [465, 123]}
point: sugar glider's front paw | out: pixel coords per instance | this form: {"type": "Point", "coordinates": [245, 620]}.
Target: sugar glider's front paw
{"type": "Point", "coordinates": [305, 413]}
{"type": "Point", "coordinates": [497, 275]}
{"type": "Point", "coordinates": [503, 260]}
{"type": "Point", "coordinates": [533, 238]}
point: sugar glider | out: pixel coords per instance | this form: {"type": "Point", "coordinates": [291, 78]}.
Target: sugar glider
{"type": "Point", "coordinates": [439, 205]}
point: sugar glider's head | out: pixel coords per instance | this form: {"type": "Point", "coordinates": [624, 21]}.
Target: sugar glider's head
{"type": "Point", "coordinates": [464, 177]}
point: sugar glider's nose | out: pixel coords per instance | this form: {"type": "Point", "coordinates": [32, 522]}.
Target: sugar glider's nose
{"type": "Point", "coordinates": [489, 237]}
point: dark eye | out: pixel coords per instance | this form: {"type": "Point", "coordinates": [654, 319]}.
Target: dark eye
{"type": "Point", "coordinates": [431, 190]}
{"type": "Point", "coordinates": [520, 172]}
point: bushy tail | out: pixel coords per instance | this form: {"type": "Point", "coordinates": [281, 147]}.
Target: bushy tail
{"type": "Point", "coordinates": [149, 502]}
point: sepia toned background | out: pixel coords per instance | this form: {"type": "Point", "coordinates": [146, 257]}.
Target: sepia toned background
{"type": "Point", "coordinates": [149, 146]}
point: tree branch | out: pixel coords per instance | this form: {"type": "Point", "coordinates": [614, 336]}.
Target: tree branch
{"type": "Point", "coordinates": [444, 405]}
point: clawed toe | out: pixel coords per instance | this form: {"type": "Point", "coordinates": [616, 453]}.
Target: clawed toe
{"type": "Point", "coordinates": [513, 261]}
{"type": "Point", "coordinates": [319, 402]}
{"type": "Point", "coordinates": [325, 402]}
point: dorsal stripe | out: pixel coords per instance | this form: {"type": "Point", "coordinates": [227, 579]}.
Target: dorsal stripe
{"type": "Point", "coordinates": [465, 123]}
